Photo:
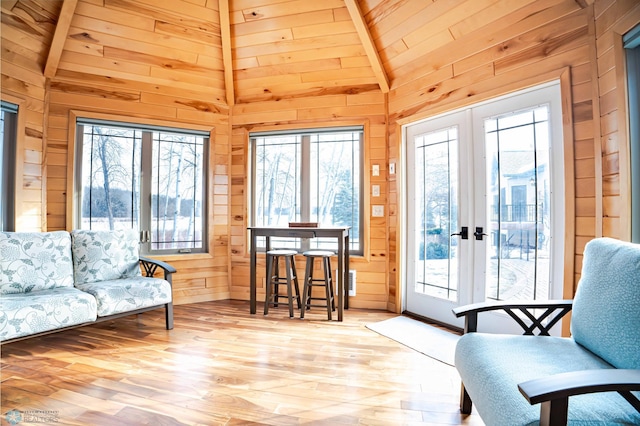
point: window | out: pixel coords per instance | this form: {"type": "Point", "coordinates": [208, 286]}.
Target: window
{"type": "Point", "coordinates": [309, 176]}
{"type": "Point", "coordinates": [147, 178]}
{"type": "Point", "coordinates": [632, 49]}
{"type": "Point", "coordinates": [8, 142]}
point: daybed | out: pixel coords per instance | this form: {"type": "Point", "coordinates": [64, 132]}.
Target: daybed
{"type": "Point", "coordinates": [52, 281]}
{"type": "Point", "coordinates": [590, 378]}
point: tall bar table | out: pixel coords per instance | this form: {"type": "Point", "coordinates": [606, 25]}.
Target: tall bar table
{"type": "Point", "coordinates": [340, 233]}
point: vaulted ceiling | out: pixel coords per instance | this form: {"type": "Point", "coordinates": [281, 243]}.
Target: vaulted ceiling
{"type": "Point", "coordinates": [228, 52]}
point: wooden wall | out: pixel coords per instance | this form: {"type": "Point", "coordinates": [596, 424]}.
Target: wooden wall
{"type": "Point", "coordinates": [367, 109]}
{"type": "Point", "coordinates": [433, 68]}
{"type": "Point", "coordinates": [24, 47]}
{"type": "Point", "coordinates": [200, 276]}
{"type": "Point", "coordinates": [562, 39]}
{"type": "Point", "coordinates": [610, 138]}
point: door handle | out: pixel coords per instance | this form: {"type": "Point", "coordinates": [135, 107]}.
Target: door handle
{"type": "Point", "coordinates": [478, 234]}
{"type": "Point", "coordinates": [464, 233]}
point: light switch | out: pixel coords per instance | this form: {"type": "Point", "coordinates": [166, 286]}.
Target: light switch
{"type": "Point", "coordinates": [392, 168]}
{"type": "Point", "coordinates": [375, 170]}
{"type": "Point", "coordinates": [375, 190]}
{"type": "Point", "coordinates": [377, 211]}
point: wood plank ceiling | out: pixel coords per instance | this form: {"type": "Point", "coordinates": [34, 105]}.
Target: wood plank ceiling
{"type": "Point", "coordinates": [217, 53]}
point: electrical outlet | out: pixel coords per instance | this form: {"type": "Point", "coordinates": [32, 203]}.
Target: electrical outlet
{"type": "Point", "coordinates": [377, 211]}
{"type": "Point", "coordinates": [375, 170]}
{"type": "Point", "coordinates": [375, 190]}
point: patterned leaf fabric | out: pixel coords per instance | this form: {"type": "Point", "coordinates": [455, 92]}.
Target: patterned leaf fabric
{"type": "Point", "coordinates": [105, 255]}
{"type": "Point", "coordinates": [39, 311]}
{"type": "Point", "coordinates": [38, 271]}
{"type": "Point", "coordinates": [128, 294]}
{"type": "Point", "coordinates": [34, 261]}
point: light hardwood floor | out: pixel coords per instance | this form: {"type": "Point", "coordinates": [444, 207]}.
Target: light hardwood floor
{"type": "Point", "coordinates": [222, 366]}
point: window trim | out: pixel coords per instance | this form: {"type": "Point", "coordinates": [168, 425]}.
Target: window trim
{"type": "Point", "coordinates": [8, 163]}
{"type": "Point", "coordinates": [631, 44]}
{"type": "Point", "coordinates": [18, 182]}
{"type": "Point", "coordinates": [74, 204]}
{"type": "Point", "coordinates": [303, 129]}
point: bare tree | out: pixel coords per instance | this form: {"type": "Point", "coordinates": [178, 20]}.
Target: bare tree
{"type": "Point", "coordinates": [107, 163]}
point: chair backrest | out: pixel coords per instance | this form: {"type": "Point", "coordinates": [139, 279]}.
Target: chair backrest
{"type": "Point", "coordinates": [105, 255]}
{"type": "Point", "coordinates": [606, 310]}
{"type": "Point", "coordinates": [33, 261]}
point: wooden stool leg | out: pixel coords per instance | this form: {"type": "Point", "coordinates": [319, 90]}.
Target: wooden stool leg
{"type": "Point", "coordinates": [306, 288]}
{"type": "Point", "coordinates": [327, 285]}
{"type": "Point", "coordinates": [295, 281]}
{"type": "Point", "coordinates": [275, 272]}
{"type": "Point", "coordinates": [287, 263]}
{"type": "Point", "coordinates": [267, 299]}
{"type": "Point", "coordinates": [333, 298]}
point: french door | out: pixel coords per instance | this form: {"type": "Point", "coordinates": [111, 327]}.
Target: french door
{"type": "Point", "coordinates": [485, 206]}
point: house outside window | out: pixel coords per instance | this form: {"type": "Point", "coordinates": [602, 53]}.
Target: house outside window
{"type": "Point", "coordinates": [308, 176]}
{"type": "Point", "coordinates": [147, 178]}
{"type": "Point", "coordinates": [8, 142]}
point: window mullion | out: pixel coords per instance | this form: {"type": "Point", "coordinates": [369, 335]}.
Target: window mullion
{"type": "Point", "coordinates": [146, 165]}
{"type": "Point", "coordinates": [305, 185]}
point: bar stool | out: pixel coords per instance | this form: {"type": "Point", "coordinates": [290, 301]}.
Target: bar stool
{"type": "Point", "coordinates": [274, 279]}
{"type": "Point", "coordinates": [310, 282]}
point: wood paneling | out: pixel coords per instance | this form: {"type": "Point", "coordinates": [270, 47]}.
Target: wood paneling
{"type": "Point", "coordinates": [27, 29]}
{"type": "Point", "coordinates": [296, 63]}
{"type": "Point", "coordinates": [365, 109]}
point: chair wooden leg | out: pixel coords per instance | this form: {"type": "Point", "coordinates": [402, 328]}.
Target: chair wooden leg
{"type": "Point", "coordinates": [465, 401]}
{"type": "Point", "coordinates": [554, 412]}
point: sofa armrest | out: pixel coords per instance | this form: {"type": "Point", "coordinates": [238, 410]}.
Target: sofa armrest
{"type": "Point", "coordinates": [553, 311]}
{"type": "Point", "coordinates": [553, 392]}
{"type": "Point", "coordinates": [151, 265]}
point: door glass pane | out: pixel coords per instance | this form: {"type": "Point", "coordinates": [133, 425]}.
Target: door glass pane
{"type": "Point", "coordinates": [436, 195]}
{"type": "Point", "coordinates": [518, 182]}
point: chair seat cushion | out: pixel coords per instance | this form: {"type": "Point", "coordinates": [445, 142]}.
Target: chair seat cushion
{"type": "Point", "coordinates": [491, 366]}
{"type": "Point", "coordinates": [39, 311]}
{"type": "Point", "coordinates": [128, 294]}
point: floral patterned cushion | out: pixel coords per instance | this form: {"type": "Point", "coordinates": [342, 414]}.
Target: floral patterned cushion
{"type": "Point", "coordinates": [38, 311]}
{"type": "Point", "coordinates": [128, 294]}
{"type": "Point", "coordinates": [105, 255]}
{"type": "Point", "coordinates": [34, 261]}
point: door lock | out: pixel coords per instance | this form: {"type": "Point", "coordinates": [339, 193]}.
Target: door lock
{"type": "Point", "coordinates": [464, 233]}
{"type": "Point", "coordinates": [478, 234]}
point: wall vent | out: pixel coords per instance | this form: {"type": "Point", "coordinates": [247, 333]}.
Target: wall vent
{"type": "Point", "coordinates": [352, 281]}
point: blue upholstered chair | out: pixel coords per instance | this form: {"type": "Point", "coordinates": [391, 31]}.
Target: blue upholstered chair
{"type": "Point", "coordinates": [590, 378]}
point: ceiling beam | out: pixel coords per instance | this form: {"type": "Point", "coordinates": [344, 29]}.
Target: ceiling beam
{"type": "Point", "coordinates": [59, 37]}
{"type": "Point", "coordinates": [367, 43]}
{"type": "Point", "coordinates": [227, 60]}
{"type": "Point", "coordinates": [585, 3]}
